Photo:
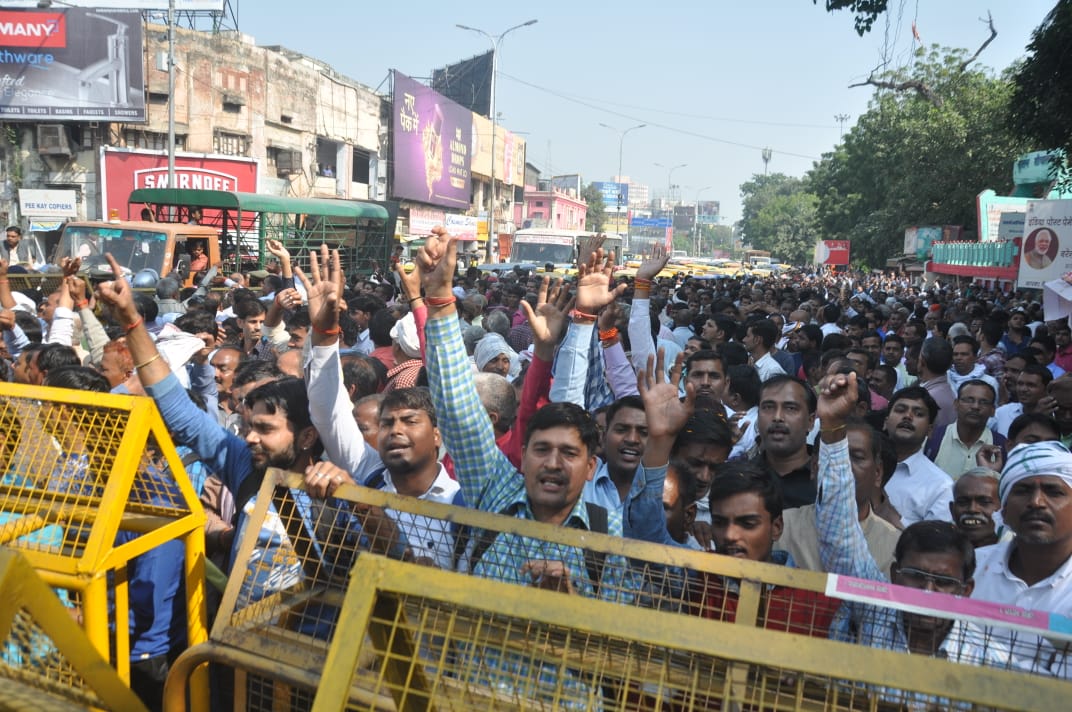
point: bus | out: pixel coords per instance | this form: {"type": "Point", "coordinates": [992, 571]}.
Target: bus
{"type": "Point", "coordinates": [542, 246]}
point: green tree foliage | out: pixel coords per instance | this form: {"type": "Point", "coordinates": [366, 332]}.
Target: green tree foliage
{"type": "Point", "coordinates": [1042, 100]}
{"type": "Point", "coordinates": [597, 213]}
{"type": "Point", "coordinates": [778, 213]}
{"type": "Point", "coordinates": [909, 162]}
{"type": "Point", "coordinates": [866, 11]}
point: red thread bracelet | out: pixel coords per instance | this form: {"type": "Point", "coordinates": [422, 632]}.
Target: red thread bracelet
{"type": "Point", "coordinates": [578, 314]}
{"type": "Point", "coordinates": [135, 325]}
{"type": "Point", "coordinates": [333, 331]}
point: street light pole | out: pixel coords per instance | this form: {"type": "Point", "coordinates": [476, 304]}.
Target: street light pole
{"type": "Point", "coordinates": [621, 148]}
{"type": "Point", "coordinates": [495, 40]}
{"type": "Point", "coordinates": [670, 195]}
{"type": "Point", "coordinates": [696, 219]}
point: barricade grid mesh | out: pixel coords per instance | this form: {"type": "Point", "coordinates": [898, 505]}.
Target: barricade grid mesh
{"type": "Point", "coordinates": [29, 656]}
{"type": "Point", "coordinates": [467, 642]}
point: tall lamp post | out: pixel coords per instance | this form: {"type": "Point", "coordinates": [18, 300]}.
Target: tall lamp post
{"type": "Point", "coordinates": [696, 218]}
{"type": "Point", "coordinates": [670, 192]}
{"type": "Point", "coordinates": [621, 147]}
{"type": "Point", "coordinates": [495, 40]}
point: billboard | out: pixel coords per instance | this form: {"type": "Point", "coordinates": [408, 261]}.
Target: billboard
{"type": "Point", "coordinates": [72, 65]}
{"type": "Point", "coordinates": [123, 170]}
{"type": "Point", "coordinates": [614, 194]}
{"type": "Point", "coordinates": [432, 144]}
{"type": "Point", "coordinates": [1046, 253]}
{"type": "Point", "coordinates": [180, 5]}
{"type": "Point", "coordinates": [467, 82]}
{"type": "Point", "coordinates": [708, 212]}
{"type": "Point", "coordinates": [918, 240]}
{"type": "Point", "coordinates": [832, 252]}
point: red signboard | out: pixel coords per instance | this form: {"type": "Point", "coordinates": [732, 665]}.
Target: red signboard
{"type": "Point", "coordinates": [33, 29]}
{"type": "Point", "coordinates": [834, 252]}
{"type": "Point", "coordinates": [123, 171]}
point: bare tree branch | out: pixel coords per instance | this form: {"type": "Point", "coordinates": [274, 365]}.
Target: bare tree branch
{"type": "Point", "coordinates": [993, 33]}
{"type": "Point", "coordinates": [916, 85]}
{"type": "Point", "coordinates": [919, 86]}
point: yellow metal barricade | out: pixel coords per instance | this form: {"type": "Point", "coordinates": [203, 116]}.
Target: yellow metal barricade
{"type": "Point", "coordinates": [47, 662]}
{"type": "Point", "coordinates": [364, 622]}
{"type": "Point", "coordinates": [88, 482]}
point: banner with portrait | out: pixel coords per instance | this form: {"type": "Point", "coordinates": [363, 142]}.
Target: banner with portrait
{"type": "Point", "coordinates": [1046, 252]}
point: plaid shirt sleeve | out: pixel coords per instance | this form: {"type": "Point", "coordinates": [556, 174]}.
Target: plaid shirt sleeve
{"type": "Point", "coordinates": [842, 546]}
{"type": "Point", "coordinates": [571, 365]}
{"type": "Point", "coordinates": [488, 480]}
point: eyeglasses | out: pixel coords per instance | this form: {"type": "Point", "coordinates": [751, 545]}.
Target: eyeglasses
{"type": "Point", "coordinates": [917, 578]}
{"type": "Point", "coordinates": [981, 402]}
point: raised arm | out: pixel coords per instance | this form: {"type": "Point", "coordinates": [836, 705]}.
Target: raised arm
{"type": "Point", "coordinates": [463, 422]}
{"type": "Point", "coordinates": [621, 376]}
{"type": "Point", "coordinates": [330, 409]}
{"type": "Point", "coordinates": [92, 330]}
{"type": "Point", "coordinates": [6, 300]}
{"type": "Point", "coordinates": [842, 546]}
{"type": "Point", "coordinates": [641, 343]}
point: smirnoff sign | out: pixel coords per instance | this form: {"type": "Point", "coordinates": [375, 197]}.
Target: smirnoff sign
{"type": "Point", "coordinates": [123, 171]}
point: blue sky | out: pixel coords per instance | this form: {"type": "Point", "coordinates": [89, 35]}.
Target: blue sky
{"type": "Point", "coordinates": [715, 81]}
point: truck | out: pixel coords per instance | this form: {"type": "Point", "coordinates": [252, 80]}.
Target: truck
{"type": "Point", "coordinates": [151, 250]}
{"type": "Point", "coordinates": [561, 248]}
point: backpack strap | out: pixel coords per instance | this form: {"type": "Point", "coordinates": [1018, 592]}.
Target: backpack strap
{"type": "Point", "coordinates": [594, 561]}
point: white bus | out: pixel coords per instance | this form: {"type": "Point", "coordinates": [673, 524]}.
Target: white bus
{"type": "Point", "coordinates": [541, 246]}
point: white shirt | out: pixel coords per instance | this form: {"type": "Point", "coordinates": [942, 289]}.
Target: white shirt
{"type": "Point", "coordinates": [920, 490]}
{"type": "Point", "coordinates": [830, 328]}
{"type": "Point", "coordinates": [768, 368]}
{"type": "Point", "coordinates": [995, 582]}
{"type": "Point", "coordinates": [364, 343]}
{"type": "Point", "coordinates": [1004, 416]}
{"type": "Point", "coordinates": [748, 437]}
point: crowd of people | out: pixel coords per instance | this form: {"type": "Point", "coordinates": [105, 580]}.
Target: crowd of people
{"type": "Point", "coordinates": [847, 423]}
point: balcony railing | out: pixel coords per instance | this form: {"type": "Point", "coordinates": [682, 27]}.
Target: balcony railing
{"type": "Point", "coordinates": [974, 254]}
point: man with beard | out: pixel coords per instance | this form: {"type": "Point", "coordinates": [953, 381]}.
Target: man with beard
{"type": "Point", "coordinates": [929, 555]}
{"type": "Point", "coordinates": [919, 489]}
{"type": "Point", "coordinates": [975, 506]}
{"type": "Point", "coordinates": [954, 447]}
{"type": "Point", "coordinates": [278, 434]}
{"type": "Point", "coordinates": [786, 417]}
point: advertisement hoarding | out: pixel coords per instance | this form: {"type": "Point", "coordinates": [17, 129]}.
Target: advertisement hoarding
{"type": "Point", "coordinates": [432, 144]}
{"type": "Point", "coordinates": [918, 240]}
{"type": "Point", "coordinates": [832, 252]}
{"type": "Point", "coordinates": [462, 227]}
{"type": "Point", "coordinates": [72, 65]}
{"type": "Point", "coordinates": [180, 5]}
{"type": "Point", "coordinates": [1046, 253]}
{"type": "Point", "coordinates": [422, 220]}
{"type": "Point", "coordinates": [122, 171]}
{"type": "Point", "coordinates": [467, 82]}
{"type": "Point", "coordinates": [611, 192]}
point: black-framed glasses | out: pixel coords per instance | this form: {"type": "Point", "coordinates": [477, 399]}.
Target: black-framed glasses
{"type": "Point", "coordinates": [917, 578]}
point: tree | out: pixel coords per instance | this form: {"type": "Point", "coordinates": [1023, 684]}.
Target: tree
{"type": "Point", "coordinates": [1042, 100]}
{"type": "Point", "coordinates": [909, 162]}
{"type": "Point", "coordinates": [867, 11]}
{"type": "Point", "coordinates": [597, 213]}
{"type": "Point", "coordinates": [778, 214]}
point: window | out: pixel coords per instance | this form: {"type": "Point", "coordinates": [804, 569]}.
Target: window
{"type": "Point", "coordinates": [230, 107]}
{"type": "Point", "coordinates": [539, 203]}
{"type": "Point", "coordinates": [136, 138]}
{"type": "Point", "coordinates": [327, 153]}
{"type": "Point", "coordinates": [361, 166]}
{"type": "Point", "coordinates": [230, 144]}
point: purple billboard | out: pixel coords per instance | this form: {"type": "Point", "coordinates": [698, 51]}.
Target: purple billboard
{"type": "Point", "coordinates": [432, 143]}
